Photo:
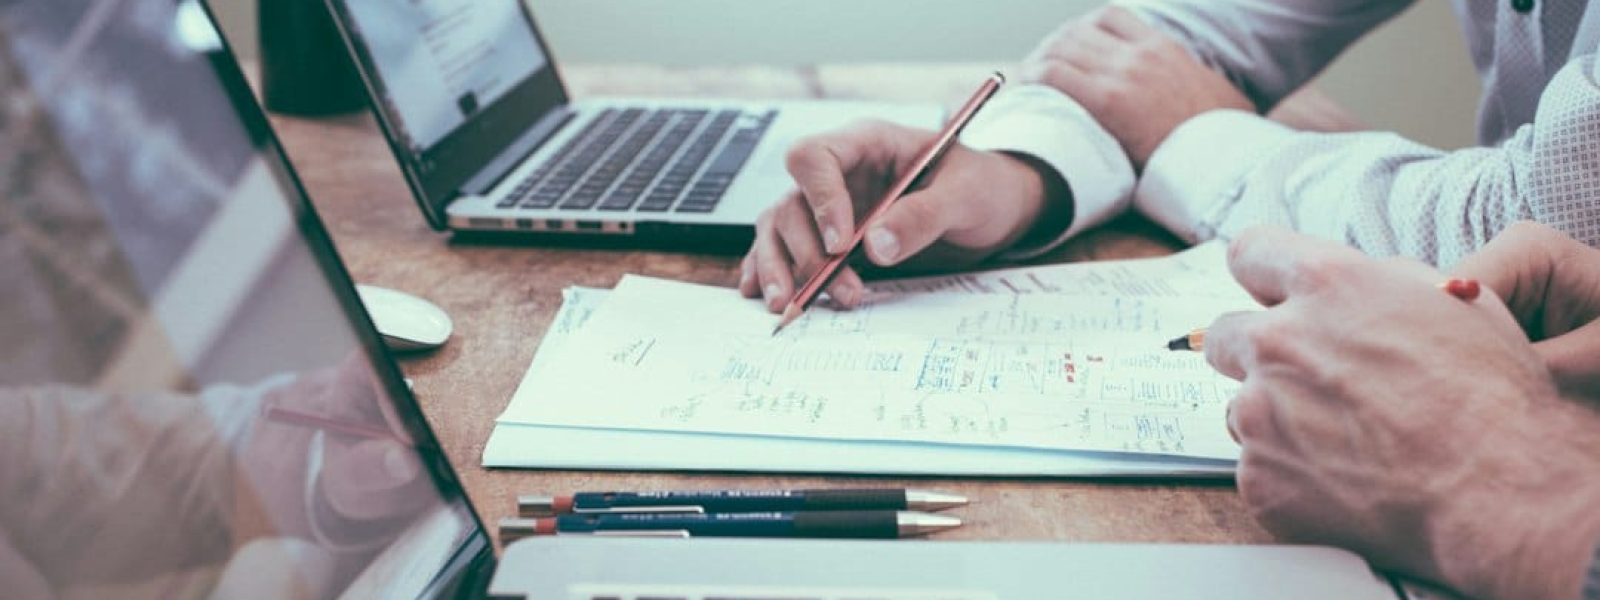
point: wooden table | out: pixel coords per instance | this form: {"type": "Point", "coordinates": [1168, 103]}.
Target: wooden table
{"type": "Point", "coordinates": [503, 298]}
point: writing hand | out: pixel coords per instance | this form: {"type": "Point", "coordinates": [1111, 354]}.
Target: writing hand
{"type": "Point", "coordinates": [1381, 415]}
{"type": "Point", "coordinates": [1138, 83]}
{"type": "Point", "coordinates": [1551, 282]}
{"type": "Point", "coordinates": [361, 485]}
{"type": "Point", "coordinates": [976, 204]}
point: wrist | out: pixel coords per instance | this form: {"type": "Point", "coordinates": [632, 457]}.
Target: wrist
{"type": "Point", "coordinates": [1045, 197]}
{"type": "Point", "coordinates": [1554, 561]}
{"type": "Point", "coordinates": [1533, 534]}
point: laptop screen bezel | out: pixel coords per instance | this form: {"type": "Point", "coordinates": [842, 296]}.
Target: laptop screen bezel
{"type": "Point", "coordinates": [474, 558]}
{"type": "Point", "coordinates": [437, 176]}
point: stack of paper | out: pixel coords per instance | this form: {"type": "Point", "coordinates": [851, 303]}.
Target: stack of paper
{"type": "Point", "coordinates": [1057, 370]}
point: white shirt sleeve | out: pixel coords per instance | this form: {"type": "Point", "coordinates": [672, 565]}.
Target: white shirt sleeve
{"type": "Point", "coordinates": [1226, 170]}
{"type": "Point", "coordinates": [1041, 122]}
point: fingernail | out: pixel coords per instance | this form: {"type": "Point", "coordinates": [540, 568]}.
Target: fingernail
{"type": "Point", "coordinates": [884, 244]}
{"type": "Point", "coordinates": [771, 293]}
{"type": "Point", "coordinates": [846, 297]}
{"type": "Point", "coordinates": [830, 240]}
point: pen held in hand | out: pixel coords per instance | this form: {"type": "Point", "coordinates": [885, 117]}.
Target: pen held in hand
{"type": "Point", "coordinates": [922, 166]}
{"type": "Point", "coordinates": [1465, 289]}
{"type": "Point", "coordinates": [295, 417]}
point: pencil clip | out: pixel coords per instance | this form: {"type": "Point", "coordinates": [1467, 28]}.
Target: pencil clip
{"type": "Point", "coordinates": [640, 509]}
{"type": "Point", "coordinates": [664, 533]}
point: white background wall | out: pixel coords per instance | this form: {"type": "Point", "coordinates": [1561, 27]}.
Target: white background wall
{"type": "Point", "coordinates": [1412, 76]}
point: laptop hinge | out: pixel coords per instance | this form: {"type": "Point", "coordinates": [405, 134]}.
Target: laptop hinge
{"type": "Point", "coordinates": [516, 152]}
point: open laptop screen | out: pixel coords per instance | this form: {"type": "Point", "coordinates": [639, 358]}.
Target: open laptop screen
{"type": "Point", "coordinates": [454, 83]}
{"type": "Point", "coordinates": [192, 403]}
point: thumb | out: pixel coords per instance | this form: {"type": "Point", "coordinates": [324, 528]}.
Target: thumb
{"type": "Point", "coordinates": [374, 479]}
{"type": "Point", "coordinates": [915, 222]}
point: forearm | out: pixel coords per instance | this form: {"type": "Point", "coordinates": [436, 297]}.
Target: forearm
{"type": "Point", "coordinates": [1268, 48]}
{"type": "Point", "coordinates": [77, 462]}
{"type": "Point", "coordinates": [1087, 176]}
{"type": "Point", "coordinates": [1225, 171]}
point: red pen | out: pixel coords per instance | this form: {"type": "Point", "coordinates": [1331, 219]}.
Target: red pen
{"type": "Point", "coordinates": [923, 165]}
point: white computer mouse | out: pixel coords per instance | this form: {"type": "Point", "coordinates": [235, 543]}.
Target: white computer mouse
{"type": "Point", "coordinates": [407, 323]}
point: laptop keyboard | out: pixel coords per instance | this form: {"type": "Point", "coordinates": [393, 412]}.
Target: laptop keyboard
{"type": "Point", "coordinates": [646, 160]}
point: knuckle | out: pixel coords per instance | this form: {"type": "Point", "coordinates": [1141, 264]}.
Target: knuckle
{"type": "Point", "coordinates": [1251, 484]}
{"type": "Point", "coordinates": [803, 154]}
{"type": "Point", "coordinates": [1109, 14]}
{"type": "Point", "coordinates": [1273, 340]}
{"type": "Point", "coordinates": [764, 220]}
{"type": "Point", "coordinates": [920, 216]}
{"type": "Point", "coordinates": [1114, 94]}
{"type": "Point", "coordinates": [1321, 272]}
{"type": "Point", "coordinates": [1252, 414]}
{"type": "Point", "coordinates": [1056, 74]}
{"type": "Point", "coordinates": [1243, 242]}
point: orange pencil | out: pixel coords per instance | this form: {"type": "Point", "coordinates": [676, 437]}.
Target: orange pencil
{"type": "Point", "coordinates": [1465, 289]}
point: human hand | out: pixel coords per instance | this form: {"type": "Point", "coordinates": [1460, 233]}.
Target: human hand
{"type": "Point", "coordinates": [1380, 414]}
{"type": "Point", "coordinates": [976, 203]}
{"type": "Point", "coordinates": [1137, 82]}
{"type": "Point", "coordinates": [1551, 282]}
{"type": "Point", "coordinates": [359, 484]}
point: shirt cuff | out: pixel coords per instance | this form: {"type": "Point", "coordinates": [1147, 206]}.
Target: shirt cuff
{"type": "Point", "coordinates": [1198, 173]}
{"type": "Point", "coordinates": [1040, 122]}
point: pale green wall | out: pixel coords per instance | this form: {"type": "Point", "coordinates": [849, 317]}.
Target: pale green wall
{"type": "Point", "coordinates": [1412, 76]}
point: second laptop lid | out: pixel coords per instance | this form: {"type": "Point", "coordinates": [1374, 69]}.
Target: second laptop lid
{"type": "Point", "coordinates": [192, 402]}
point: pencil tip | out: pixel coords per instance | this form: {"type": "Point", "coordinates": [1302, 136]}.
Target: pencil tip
{"type": "Point", "coordinates": [789, 315]}
{"type": "Point", "coordinates": [1181, 343]}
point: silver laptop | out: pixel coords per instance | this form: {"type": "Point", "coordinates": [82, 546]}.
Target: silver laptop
{"type": "Point", "coordinates": [194, 403]}
{"type": "Point", "coordinates": [490, 140]}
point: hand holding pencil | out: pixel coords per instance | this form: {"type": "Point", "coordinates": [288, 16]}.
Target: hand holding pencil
{"type": "Point", "coordinates": [921, 170]}
{"type": "Point", "coordinates": [978, 203]}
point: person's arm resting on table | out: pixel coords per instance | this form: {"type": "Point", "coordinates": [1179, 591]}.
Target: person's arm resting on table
{"type": "Point", "coordinates": [1216, 172]}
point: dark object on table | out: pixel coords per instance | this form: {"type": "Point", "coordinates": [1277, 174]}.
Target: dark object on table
{"type": "Point", "coordinates": [304, 67]}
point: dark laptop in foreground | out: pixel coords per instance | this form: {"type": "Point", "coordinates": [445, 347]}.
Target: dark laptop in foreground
{"type": "Point", "coordinates": [202, 409]}
{"type": "Point", "coordinates": [490, 140]}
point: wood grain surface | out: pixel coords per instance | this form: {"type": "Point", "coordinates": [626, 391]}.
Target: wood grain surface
{"type": "Point", "coordinates": [502, 298]}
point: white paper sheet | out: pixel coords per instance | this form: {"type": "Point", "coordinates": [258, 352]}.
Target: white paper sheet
{"type": "Point", "coordinates": [1076, 366]}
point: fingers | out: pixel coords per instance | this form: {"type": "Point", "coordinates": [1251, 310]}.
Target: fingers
{"type": "Point", "coordinates": [787, 252]}
{"type": "Point", "coordinates": [1517, 265]}
{"type": "Point", "coordinates": [819, 168]}
{"type": "Point", "coordinates": [373, 479]}
{"type": "Point", "coordinates": [1274, 263]}
{"type": "Point", "coordinates": [1571, 360]}
{"type": "Point", "coordinates": [1125, 25]}
{"type": "Point", "coordinates": [774, 281]}
{"type": "Point", "coordinates": [749, 284]}
{"type": "Point", "coordinates": [1084, 48]}
{"type": "Point", "coordinates": [1072, 80]}
{"type": "Point", "coordinates": [822, 166]}
{"type": "Point", "coordinates": [847, 289]}
{"type": "Point", "coordinates": [1228, 346]}
{"type": "Point", "coordinates": [913, 224]}
{"type": "Point", "coordinates": [1549, 281]}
